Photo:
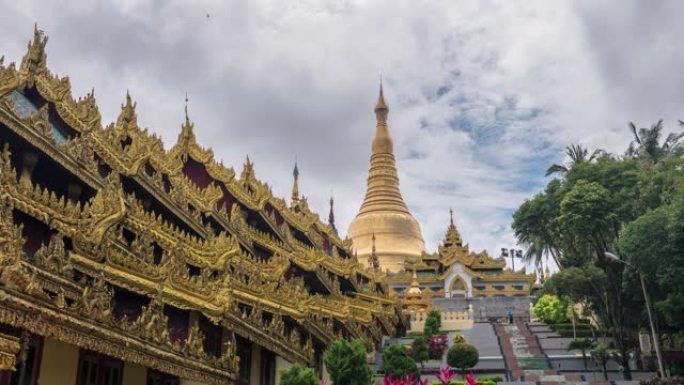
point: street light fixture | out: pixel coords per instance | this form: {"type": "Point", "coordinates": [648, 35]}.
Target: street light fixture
{"type": "Point", "coordinates": [612, 257]}
{"type": "Point", "coordinates": [513, 254]}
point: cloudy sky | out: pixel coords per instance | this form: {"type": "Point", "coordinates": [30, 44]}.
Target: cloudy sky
{"type": "Point", "coordinates": [483, 95]}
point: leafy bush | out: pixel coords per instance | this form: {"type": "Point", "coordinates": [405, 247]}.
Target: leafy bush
{"type": "Point", "coordinates": [297, 375]}
{"type": "Point", "coordinates": [432, 324]}
{"type": "Point", "coordinates": [419, 350]}
{"type": "Point", "coordinates": [463, 356]}
{"type": "Point", "coordinates": [551, 309]}
{"type": "Point", "coordinates": [346, 363]}
{"type": "Point", "coordinates": [459, 339]}
{"type": "Point", "coordinates": [436, 346]}
{"type": "Point", "coordinates": [397, 363]}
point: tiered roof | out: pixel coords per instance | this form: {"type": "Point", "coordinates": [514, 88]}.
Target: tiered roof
{"type": "Point", "coordinates": [175, 226]}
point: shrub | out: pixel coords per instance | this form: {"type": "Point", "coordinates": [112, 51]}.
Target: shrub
{"type": "Point", "coordinates": [551, 309]}
{"type": "Point", "coordinates": [432, 324]}
{"type": "Point", "coordinates": [435, 314]}
{"type": "Point", "coordinates": [420, 350]}
{"type": "Point", "coordinates": [397, 363]}
{"type": "Point", "coordinates": [459, 339]}
{"type": "Point", "coordinates": [462, 356]}
{"type": "Point", "coordinates": [297, 375]}
{"type": "Point", "coordinates": [346, 363]}
{"type": "Point", "coordinates": [436, 346]}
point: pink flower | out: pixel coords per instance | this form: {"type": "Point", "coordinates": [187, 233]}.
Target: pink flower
{"type": "Point", "coordinates": [470, 379]}
{"type": "Point", "coordinates": [445, 375]}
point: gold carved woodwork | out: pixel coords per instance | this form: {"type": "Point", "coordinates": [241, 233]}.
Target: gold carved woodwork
{"type": "Point", "coordinates": [228, 275]}
{"type": "Point", "coordinates": [9, 348]}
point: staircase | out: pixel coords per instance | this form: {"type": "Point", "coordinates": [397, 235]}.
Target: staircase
{"type": "Point", "coordinates": [524, 359]}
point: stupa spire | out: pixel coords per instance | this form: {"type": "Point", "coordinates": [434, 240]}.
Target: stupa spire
{"type": "Point", "coordinates": [383, 212]}
{"type": "Point", "coordinates": [383, 182]}
{"type": "Point", "coordinates": [295, 185]}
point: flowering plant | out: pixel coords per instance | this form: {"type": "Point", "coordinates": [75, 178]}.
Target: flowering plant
{"type": "Point", "coordinates": [445, 375]}
{"type": "Point", "coordinates": [403, 380]}
{"type": "Point", "coordinates": [436, 346]}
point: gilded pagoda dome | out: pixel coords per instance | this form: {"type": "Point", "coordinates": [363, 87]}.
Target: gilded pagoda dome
{"type": "Point", "coordinates": [383, 214]}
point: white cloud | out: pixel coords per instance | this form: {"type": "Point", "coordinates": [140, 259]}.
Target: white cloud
{"type": "Point", "coordinates": [483, 94]}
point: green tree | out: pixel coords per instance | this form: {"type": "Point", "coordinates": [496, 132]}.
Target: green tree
{"type": "Point", "coordinates": [462, 356]}
{"type": "Point", "coordinates": [347, 364]}
{"type": "Point", "coordinates": [601, 355]}
{"type": "Point", "coordinates": [551, 309]}
{"type": "Point", "coordinates": [654, 244]}
{"type": "Point", "coordinates": [420, 350]}
{"type": "Point", "coordinates": [536, 227]}
{"type": "Point", "coordinates": [397, 363]}
{"type": "Point", "coordinates": [577, 155]}
{"type": "Point", "coordinates": [432, 324]}
{"type": "Point", "coordinates": [581, 344]}
{"type": "Point", "coordinates": [297, 375]}
{"type": "Point", "coordinates": [647, 145]}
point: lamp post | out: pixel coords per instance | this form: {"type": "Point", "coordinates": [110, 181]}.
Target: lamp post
{"type": "Point", "coordinates": [513, 253]}
{"type": "Point", "coordinates": [656, 345]}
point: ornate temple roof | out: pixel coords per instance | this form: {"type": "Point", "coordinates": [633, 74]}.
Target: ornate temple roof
{"type": "Point", "coordinates": [174, 226]}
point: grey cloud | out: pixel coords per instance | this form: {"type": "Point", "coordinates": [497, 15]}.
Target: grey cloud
{"type": "Point", "coordinates": [487, 93]}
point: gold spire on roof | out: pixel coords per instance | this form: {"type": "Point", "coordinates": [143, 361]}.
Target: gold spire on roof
{"type": "Point", "coordinates": [295, 186]}
{"type": "Point", "coordinates": [452, 237]}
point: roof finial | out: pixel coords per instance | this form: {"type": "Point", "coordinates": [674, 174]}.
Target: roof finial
{"type": "Point", "coordinates": [331, 215]}
{"type": "Point", "coordinates": [451, 215]}
{"type": "Point", "coordinates": [381, 109]}
{"type": "Point", "coordinates": [186, 106]}
{"type": "Point", "coordinates": [295, 185]}
{"type": "Point", "coordinates": [373, 261]}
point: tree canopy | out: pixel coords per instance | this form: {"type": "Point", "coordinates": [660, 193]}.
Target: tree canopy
{"type": "Point", "coordinates": [347, 364]}
{"type": "Point", "coordinates": [397, 363]}
{"type": "Point", "coordinates": [629, 204]}
{"type": "Point", "coordinates": [297, 375]}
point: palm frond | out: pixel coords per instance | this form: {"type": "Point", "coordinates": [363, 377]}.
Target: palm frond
{"type": "Point", "coordinates": [556, 169]}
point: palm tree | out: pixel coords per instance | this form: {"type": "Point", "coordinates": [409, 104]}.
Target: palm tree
{"type": "Point", "coordinates": [646, 143]}
{"type": "Point", "coordinates": [577, 155]}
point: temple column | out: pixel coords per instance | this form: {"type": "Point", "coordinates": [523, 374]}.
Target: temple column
{"type": "Point", "coordinates": [281, 365]}
{"type": "Point", "coordinates": [134, 373]}
{"type": "Point", "coordinates": [59, 364]}
{"type": "Point", "coordinates": [255, 365]}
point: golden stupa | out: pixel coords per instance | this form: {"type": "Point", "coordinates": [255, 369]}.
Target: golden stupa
{"type": "Point", "coordinates": [384, 214]}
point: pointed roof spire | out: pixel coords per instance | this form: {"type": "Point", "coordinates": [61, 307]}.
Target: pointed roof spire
{"type": "Point", "coordinates": [127, 119]}
{"type": "Point", "coordinates": [331, 215]}
{"type": "Point", "coordinates": [452, 236]}
{"type": "Point", "coordinates": [186, 135]}
{"type": "Point", "coordinates": [381, 109]}
{"type": "Point", "coordinates": [35, 60]}
{"type": "Point", "coordinates": [373, 260]}
{"type": "Point", "coordinates": [295, 185]}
